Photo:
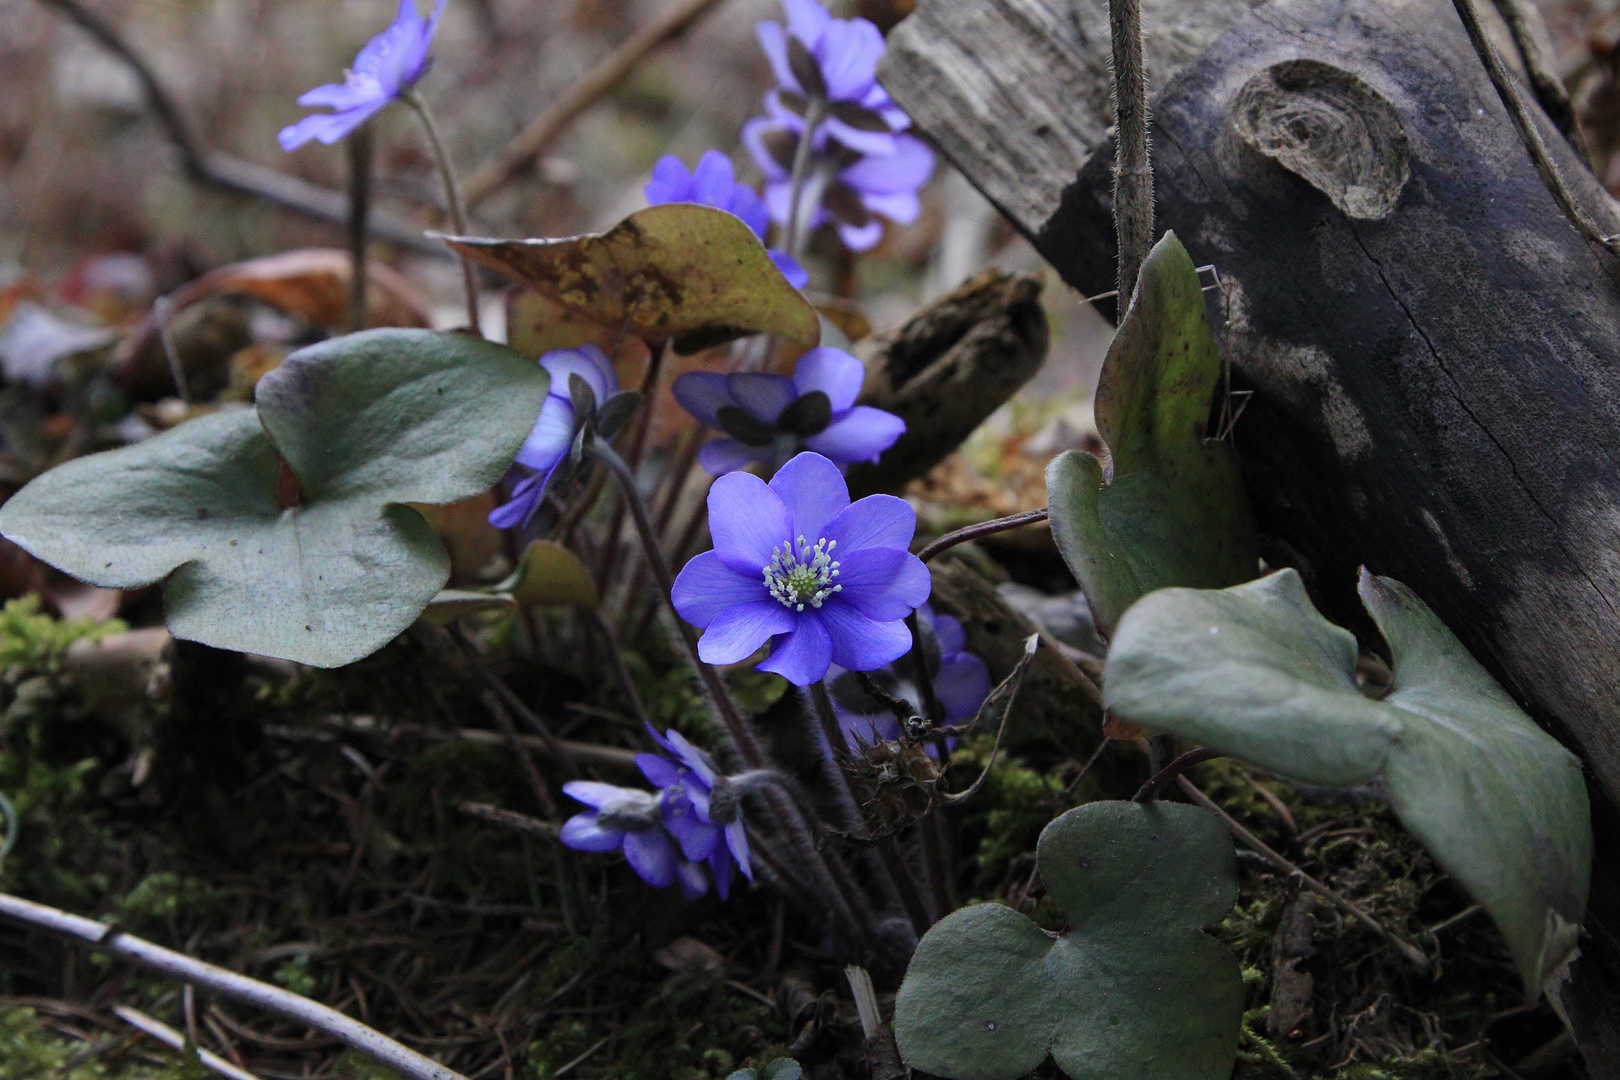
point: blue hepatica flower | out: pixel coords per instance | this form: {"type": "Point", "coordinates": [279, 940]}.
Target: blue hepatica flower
{"type": "Point", "coordinates": [624, 818]}
{"type": "Point", "coordinates": [700, 808]}
{"type": "Point", "coordinates": [861, 166]}
{"type": "Point", "coordinates": [714, 183]}
{"type": "Point", "coordinates": [797, 564]}
{"type": "Point", "coordinates": [769, 418]}
{"type": "Point", "coordinates": [960, 679]}
{"type": "Point", "coordinates": [384, 69]}
{"type": "Point", "coordinates": [548, 445]}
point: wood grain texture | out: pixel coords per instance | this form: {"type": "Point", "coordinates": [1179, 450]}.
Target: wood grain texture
{"type": "Point", "coordinates": [1436, 388]}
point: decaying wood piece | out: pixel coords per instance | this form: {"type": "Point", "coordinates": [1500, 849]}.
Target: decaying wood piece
{"type": "Point", "coordinates": [1435, 359]}
{"type": "Point", "coordinates": [956, 362]}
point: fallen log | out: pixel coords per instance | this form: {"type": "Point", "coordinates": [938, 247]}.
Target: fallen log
{"type": "Point", "coordinates": [1433, 350]}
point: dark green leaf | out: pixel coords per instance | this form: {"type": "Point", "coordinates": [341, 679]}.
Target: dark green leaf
{"type": "Point", "coordinates": [1174, 511]}
{"type": "Point", "coordinates": [1254, 671]}
{"type": "Point", "coordinates": [365, 422]}
{"type": "Point", "coordinates": [1134, 988]}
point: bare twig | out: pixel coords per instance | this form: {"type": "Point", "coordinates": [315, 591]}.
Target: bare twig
{"type": "Point", "coordinates": [511, 819]}
{"type": "Point", "coordinates": [109, 939]}
{"type": "Point", "coordinates": [452, 199]}
{"type": "Point", "coordinates": [610, 757]}
{"type": "Point", "coordinates": [1009, 690]}
{"type": "Point", "coordinates": [234, 173]}
{"type": "Point", "coordinates": [166, 1035]}
{"type": "Point", "coordinates": [984, 528]}
{"type": "Point", "coordinates": [1551, 93]}
{"type": "Point", "coordinates": [1259, 847]}
{"type": "Point", "coordinates": [532, 140]}
{"type": "Point", "coordinates": [1133, 170]}
{"type": "Point", "coordinates": [1529, 134]}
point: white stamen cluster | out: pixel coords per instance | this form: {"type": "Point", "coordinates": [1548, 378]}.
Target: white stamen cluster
{"type": "Point", "coordinates": [802, 575]}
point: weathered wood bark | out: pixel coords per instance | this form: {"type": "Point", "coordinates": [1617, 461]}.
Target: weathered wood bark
{"type": "Point", "coordinates": [1434, 351]}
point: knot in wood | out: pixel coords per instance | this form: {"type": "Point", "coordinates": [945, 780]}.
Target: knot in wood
{"type": "Point", "coordinates": [1327, 126]}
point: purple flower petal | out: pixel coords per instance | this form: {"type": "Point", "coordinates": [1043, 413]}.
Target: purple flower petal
{"type": "Point", "coordinates": [724, 869]}
{"type": "Point", "coordinates": [862, 644]}
{"type": "Point", "coordinates": [878, 143]}
{"type": "Point", "coordinates": [596, 794]}
{"type": "Point", "coordinates": [582, 833]}
{"type": "Point", "coordinates": [706, 586]}
{"type": "Point", "coordinates": [875, 521]}
{"type": "Point", "coordinates": [883, 583]}
{"type": "Point", "coordinates": [520, 509]}
{"type": "Point", "coordinates": [694, 882]}
{"type": "Point", "coordinates": [353, 92]}
{"type": "Point", "coordinates": [551, 437]}
{"type": "Point", "coordinates": [802, 656]}
{"type": "Point", "coordinates": [773, 42]}
{"type": "Point", "coordinates": [721, 456]}
{"type": "Point", "coordinates": [747, 520]}
{"type": "Point", "coordinates": [947, 631]}
{"type": "Point", "coordinates": [327, 128]}
{"type": "Point", "coordinates": [738, 632]}
{"type": "Point", "coordinates": [906, 170]}
{"type": "Point", "coordinates": [702, 393]}
{"type": "Point", "coordinates": [652, 856]}
{"type": "Point", "coordinates": [902, 208]}
{"type": "Point", "coordinates": [761, 394]}
{"type": "Point", "coordinates": [692, 757]}
{"type": "Point", "coordinates": [589, 362]}
{"type": "Point", "coordinates": [861, 237]}
{"type": "Point", "coordinates": [737, 842]}
{"type": "Point", "coordinates": [832, 371]}
{"type": "Point", "coordinates": [671, 182]}
{"type": "Point", "coordinates": [796, 275]}
{"type": "Point", "coordinates": [807, 21]}
{"type": "Point", "coordinates": [961, 684]}
{"type": "Point", "coordinates": [848, 52]}
{"type": "Point", "coordinates": [862, 434]}
{"type": "Point", "coordinates": [659, 771]}
{"type": "Point", "coordinates": [696, 837]}
{"type": "Point", "coordinates": [753, 140]}
{"type": "Point", "coordinates": [713, 180]}
{"type": "Point", "coordinates": [813, 491]}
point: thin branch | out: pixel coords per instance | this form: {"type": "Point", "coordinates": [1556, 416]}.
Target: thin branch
{"type": "Point", "coordinates": [1133, 170]}
{"type": "Point", "coordinates": [532, 140]}
{"type": "Point", "coordinates": [984, 528]}
{"type": "Point", "coordinates": [511, 819]}
{"type": "Point", "coordinates": [171, 1038]}
{"type": "Point", "coordinates": [511, 700]}
{"type": "Point", "coordinates": [1259, 847]}
{"type": "Point", "coordinates": [228, 984]}
{"type": "Point", "coordinates": [234, 173]}
{"type": "Point", "coordinates": [1009, 687]}
{"type": "Point", "coordinates": [1551, 93]}
{"type": "Point", "coordinates": [537, 783]}
{"type": "Point", "coordinates": [608, 757]}
{"type": "Point", "coordinates": [1529, 134]}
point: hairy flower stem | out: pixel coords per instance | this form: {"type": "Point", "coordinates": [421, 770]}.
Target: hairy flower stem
{"type": "Point", "coordinates": [894, 870]}
{"type": "Point", "coordinates": [359, 149]}
{"type": "Point", "coordinates": [635, 443]}
{"type": "Point", "coordinates": [1133, 170]}
{"type": "Point", "coordinates": [925, 682]}
{"type": "Point", "coordinates": [797, 230]}
{"type": "Point", "coordinates": [452, 199]}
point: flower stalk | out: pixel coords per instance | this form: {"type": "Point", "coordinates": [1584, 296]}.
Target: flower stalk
{"type": "Point", "coordinates": [452, 199]}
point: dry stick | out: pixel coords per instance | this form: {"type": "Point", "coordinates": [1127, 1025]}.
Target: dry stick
{"type": "Point", "coordinates": [540, 133]}
{"type": "Point", "coordinates": [228, 984]}
{"type": "Point", "coordinates": [511, 700]}
{"type": "Point", "coordinates": [1529, 134]}
{"type": "Point", "coordinates": [1255, 844]}
{"type": "Point", "coordinates": [984, 528]}
{"type": "Point", "coordinates": [537, 783]}
{"type": "Point", "coordinates": [1133, 169]}
{"type": "Point", "coordinates": [607, 757]}
{"type": "Point", "coordinates": [1551, 93]}
{"type": "Point", "coordinates": [511, 819]}
{"type": "Point", "coordinates": [359, 149]}
{"type": "Point", "coordinates": [1009, 687]}
{"type": "Point", "coordinates": [452, 199]}
{"type": "Point", "coordinates": [233, 173]}
{"type": "Point", "coordinates": [169, 1037]}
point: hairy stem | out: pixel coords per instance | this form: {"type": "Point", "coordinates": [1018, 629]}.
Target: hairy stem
{"type": "Point", "coordinates": [452, 199]}
{"type": "Point", "coordinates": [1133, 171]}
{"type": "Point", "coordinates": [359, 149]}
{"type": "Point", "coordinates": [797, 229]}
{"type": "Point", "coordinates": [984, 528]}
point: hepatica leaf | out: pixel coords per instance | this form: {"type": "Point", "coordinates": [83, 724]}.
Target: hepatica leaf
{"type": "Point", "coordinates": [1133, 989]}
{"type": "Point", "coordinates": [679, 270]}
{"type": "Point", "coordinates": [1174, 511]}
{"type": "Point", "coordinates": [314, 560]}
{"type": "Point", "coordinates": [1254, 671]}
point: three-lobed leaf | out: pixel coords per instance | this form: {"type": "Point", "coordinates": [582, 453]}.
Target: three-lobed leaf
{"type": "Point", "coordinates": [1256, 672]}
{"type": "Point", "coordinates": [279, 530]}
{"type": "Point", "coordinates": [1132, 989]}
{"type": "Point", "coordinates": [1173, 511]}
{"type": "Point", "coordinates": [678, 271]}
